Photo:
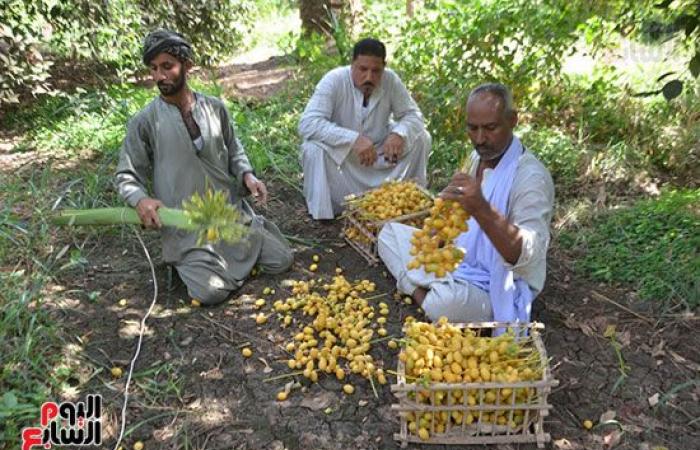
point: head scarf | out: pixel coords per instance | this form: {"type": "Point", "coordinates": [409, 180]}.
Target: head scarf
{"type": "Point", "coordinates": [167, 41]}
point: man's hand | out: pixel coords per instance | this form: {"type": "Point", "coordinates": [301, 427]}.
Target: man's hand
{"type": "Point", "coordinates": [147, 209]}
{"type": "Point", "coordinates": [256, 187]}
{"type": "Point", "coordinates": [467, 191]}
{"type": "Point", "coordinates": [365, 151]}
{"type": "Point", "coordinates": [504, 236]}
{"type": "Point", "coordinates": [393, 148]}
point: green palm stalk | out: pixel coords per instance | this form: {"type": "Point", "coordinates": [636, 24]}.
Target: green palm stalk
{"type": "Point", "coordinates": [211, 216]}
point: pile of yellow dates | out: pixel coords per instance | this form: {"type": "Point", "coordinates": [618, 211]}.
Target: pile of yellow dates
{"type": "Point", "coordinates": [337, 336]}
{"type": "Point", "coordinates": [391, 199]}
{"type": "Point", "coordinates": [433, 245]}
{"type": "Point", "coordinates": [444, 353]}
{"type": "Point", "coordinates": [357, 235]}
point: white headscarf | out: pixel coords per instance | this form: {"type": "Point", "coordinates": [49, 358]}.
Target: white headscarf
{"type": "Point", "coordinates": [483, 266]}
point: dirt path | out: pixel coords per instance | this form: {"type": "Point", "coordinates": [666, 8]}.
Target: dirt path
{"type": "Point", "coordinates": [257, 80]}
{"type": "Point", "coordinates": [193, 388]}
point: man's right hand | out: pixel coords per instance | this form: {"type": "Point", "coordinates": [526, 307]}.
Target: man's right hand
{"type": "Point", "coordinates": [147, 209]}
{"type": "Point", "coordinates": [365, 151]}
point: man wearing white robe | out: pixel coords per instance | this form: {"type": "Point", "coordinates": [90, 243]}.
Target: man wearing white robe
{"type": "Point", "coordinates": [509, 195]}
{"type": "Point", "coordinates": [360, 128]}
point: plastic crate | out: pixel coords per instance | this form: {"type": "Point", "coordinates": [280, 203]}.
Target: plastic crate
{"type": "Point", "coordinates": [473, 401]}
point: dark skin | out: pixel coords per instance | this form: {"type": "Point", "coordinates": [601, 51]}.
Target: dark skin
{"type": "Point", "coordinates": [170, 74]}
{"type": "Point", "coordinates": [490, 130]}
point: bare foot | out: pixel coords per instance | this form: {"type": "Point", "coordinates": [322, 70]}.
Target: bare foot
{"type": "Point", "coordinates": [419, 295]}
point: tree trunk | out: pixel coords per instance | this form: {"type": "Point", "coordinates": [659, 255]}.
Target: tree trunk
{"type": "Point", "coordinates": [349, 11]}
{"type": "Point", "coordinates": [316, 15]}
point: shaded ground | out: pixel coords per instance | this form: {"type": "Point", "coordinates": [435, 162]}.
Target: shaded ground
{"type": "Point", "coordinates": [193, 385]}
{"type": "Point", "coordinates": [193, 389]}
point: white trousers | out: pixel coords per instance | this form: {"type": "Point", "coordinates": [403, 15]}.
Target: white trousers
{"type": "Point", "coordinates": [326, 184]}
{"type": "Point", "coordinates": [453, 298]}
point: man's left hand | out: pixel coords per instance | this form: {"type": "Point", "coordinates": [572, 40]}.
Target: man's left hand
{"type": "Point", "coordinates": [256, 187]}
{"type": "Point", "coordinates": [393, 148]}
{"type": "Point", "coordinates": [466, 191]}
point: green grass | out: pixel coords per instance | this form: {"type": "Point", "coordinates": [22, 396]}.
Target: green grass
{"type": "Point", "coordinates": [31, 251]}
{"type": "Point", "coordinates": [33, 369]}
{"type": "Point", "coordinates": [651, 246]}
{"type": "Point", "coordinates": [29, 352]}
{"type": "Point", "coordinates": [82, 121]}
{"type": "Point", "coordinates": [268, 132]}
{"type": "Point", "coordinates": [557, 151]}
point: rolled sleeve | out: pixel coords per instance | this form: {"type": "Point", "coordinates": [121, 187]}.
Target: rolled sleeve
{"type": "Point", "coordinates": [528, 250]}
{"type": "Point", "coordinates": [409, 119]}
{"type": "Point", "coordinates": [401, 130]}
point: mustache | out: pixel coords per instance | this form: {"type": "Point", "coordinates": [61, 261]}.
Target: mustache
{"type": "Point", "coordinates": [368, 83]}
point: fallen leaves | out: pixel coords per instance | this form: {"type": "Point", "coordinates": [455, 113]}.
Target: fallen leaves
{"type": "Point", "coordinates": [683, 361]}
{"type": "Point", "coordinates": [319, 401]}
{"type": "Point", "coordinates": [607, 416]}
{"type": "Point", "coordinates": [267, 368]}
{"type": "Point", "coordinates": [612, 438]}
{"type": "Point", "coordinates": [212, 374]}
{"type": "Point", "coordinates": [654, 400]}
{"type": "Point", "coordinates": [565, 444]}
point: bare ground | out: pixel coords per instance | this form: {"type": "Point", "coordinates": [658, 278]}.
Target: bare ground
{"type": "Point", "coordinates": [193, 388]}
{"type": "Point", "coordinates": [192, 383]}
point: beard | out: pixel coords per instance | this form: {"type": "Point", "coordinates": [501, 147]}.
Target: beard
{"type": "Point", "coordinates": [489, 154]}
{"type": "Point", "coordinates": [367, 88]}
{"type": "Point", "coordinates": [168, 89]}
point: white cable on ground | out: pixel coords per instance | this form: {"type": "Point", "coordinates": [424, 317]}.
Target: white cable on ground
{"type": "Point", "coordinates": [141, 332]}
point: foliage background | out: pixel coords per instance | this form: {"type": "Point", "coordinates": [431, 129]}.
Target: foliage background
{"type": "Point", "coordinates": [32, 33]}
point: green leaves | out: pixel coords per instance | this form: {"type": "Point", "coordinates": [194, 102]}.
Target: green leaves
{"type": "Point", "coordinates": [651, 246]}
{"type": "Point", "coordinates": [110, 32]}
{"type": "Point", "coordinates": [215, 218]}
{"type": "Point", "coordinates": [22, 66]}
{"type": "Point", "coordinates": [216, 27]}
{"type": "Point", "coordinates": [443, 53]}
{"type": "Point", "coordinates": [694, 64]}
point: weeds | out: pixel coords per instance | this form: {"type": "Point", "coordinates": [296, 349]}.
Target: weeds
{"type": "Point", "coordinates": [160, 382]}
{"type": "Point", "coordinates": [622, 366]}
{"type": "Point", "coordinates": [29, 352]}
{"type": "Point", "coordinates": [557, 151]}
{"type": "Point", "coordinates": [83, 121]}
{"type": "Point", "coordinates": [651, 246]}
